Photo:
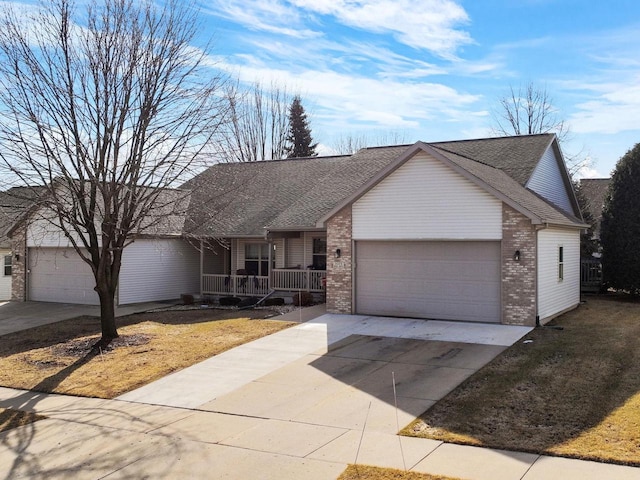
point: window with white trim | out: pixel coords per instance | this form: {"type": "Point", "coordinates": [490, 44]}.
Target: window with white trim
{"type": "Point", "coordinates": [8, 263]}
{"type": "Point", "coordinates": [256, 259]}
{"type": "Point", "coordinates": [560, 263]}
{"type": "Point", "coordinates": [320, 253]}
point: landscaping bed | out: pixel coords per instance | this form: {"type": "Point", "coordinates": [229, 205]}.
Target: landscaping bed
{"type": "Point", "coordinates": [59, 358]}
{"type": "Point", "coordinates": [573, 392]}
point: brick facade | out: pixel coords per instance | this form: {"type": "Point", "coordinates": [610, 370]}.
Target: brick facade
{"type": "Point", "coordinates": [518, 276]}
{"type": "Point", "coordinates": [19, 267]}
{"type": "Point", "coordinates": [339, 270]}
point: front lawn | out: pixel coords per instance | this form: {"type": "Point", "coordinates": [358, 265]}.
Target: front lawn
{"type": "Point", "coordinates": [58, 357]}
{"type": "Point", "coordinates": [365, 472]}
{"type": "Point", "coordinates": [573, 392]}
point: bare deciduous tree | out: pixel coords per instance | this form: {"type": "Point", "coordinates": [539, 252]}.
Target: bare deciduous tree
{"type": "Point", "coordinates": [106, 110]}
{"type": "Point", "coordinates": [258, 124]}
{"type": "Point", "coordinates": [530, 110]}
{"type": "Point", "coordinates": [350, 143]}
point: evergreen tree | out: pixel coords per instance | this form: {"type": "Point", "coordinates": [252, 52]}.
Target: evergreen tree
{"type": "Point", "coordinates": [299, 141]}
{"type": "Point", "coordinates": [620, 235]}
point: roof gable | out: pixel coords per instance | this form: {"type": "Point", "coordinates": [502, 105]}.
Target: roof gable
{"type": "Point", "coordinates": [491, 179]}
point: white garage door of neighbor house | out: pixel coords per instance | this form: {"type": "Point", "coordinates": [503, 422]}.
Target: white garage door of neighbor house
{"type": "Point", "coordinates": [437, 280]}
{"type": "Point", "coordinates": [60, 275]}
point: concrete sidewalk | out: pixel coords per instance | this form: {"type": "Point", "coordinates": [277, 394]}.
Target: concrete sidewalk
{"type": "Point", "coordinates": [301, 403]}
{"type": "Point", "coordinates": [91, 438]}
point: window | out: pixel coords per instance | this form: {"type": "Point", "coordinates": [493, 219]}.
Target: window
{"type": "Point", "coordinates": [560, 263]}
{"type": "Point", "coordinates": [319, 254]}
{"type": "Point", "coordinates": [7, 265]}
{"type": "Point", "coordinates": [256, 259]}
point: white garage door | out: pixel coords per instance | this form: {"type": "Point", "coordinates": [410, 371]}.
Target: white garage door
{"type": "Point", "coordinates": [438, 280]}
{"type": "Point", "coordinates": [59, 275]}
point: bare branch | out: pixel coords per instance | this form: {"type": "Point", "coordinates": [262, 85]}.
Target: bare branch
{"type": "Point", "coordinates": [106, 111]}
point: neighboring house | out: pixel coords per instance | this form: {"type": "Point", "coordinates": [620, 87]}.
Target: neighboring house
{"type": "Point", "coordinates": [13, 204]}
{"type": "Point", "coordinates": [158, 265]}
{"type": "Point", "coordinates": [595, 191]}
{"type": "Point", "coordinates": [479, 230]}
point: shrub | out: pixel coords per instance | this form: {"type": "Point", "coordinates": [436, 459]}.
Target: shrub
{"type": "Point", "coordinates": [187, 299]}
{"type": "Point", "coordinates": [274, 302]}
{"type": "Point", "coordinates": [229, 301]}
{"type": "Point", "coordinates": [303, 299]}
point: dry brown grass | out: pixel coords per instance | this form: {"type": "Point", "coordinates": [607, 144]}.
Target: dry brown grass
{"type": "Point", "coordinates": [573, 392]}
{"type": "Point", "coordinates": [58, 358]}
{"type": "Point", "coordinates": [365, 472]}
{"type": "Point", "coordinates": [16, 418]}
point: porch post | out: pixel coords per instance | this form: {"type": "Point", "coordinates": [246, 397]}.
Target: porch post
{"type": "Point", "coordinates": [269, 270]}
{"type": "Point", "coordinates": [201, 267]}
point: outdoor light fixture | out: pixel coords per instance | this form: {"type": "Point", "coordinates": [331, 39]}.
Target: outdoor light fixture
{"type": "Point", "coordinates": [338, 253]}
{"type": "Point", "coordinates": [516, 256]}
{"type": "Point", "coordinates": [17, 257]}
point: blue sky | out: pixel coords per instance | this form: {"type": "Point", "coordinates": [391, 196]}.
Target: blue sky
{"type": "Point", "coordinates": [434, 70]}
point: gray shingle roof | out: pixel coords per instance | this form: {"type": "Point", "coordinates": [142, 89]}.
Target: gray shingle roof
{"type": "Point", "coordinates": [595, 191]}
{"type": "Point", "coordinates": [14, 203]}
{"type": "Point", "coordinates": [244, 199]}
{"type": "Point", "coordinates": [517, 156]}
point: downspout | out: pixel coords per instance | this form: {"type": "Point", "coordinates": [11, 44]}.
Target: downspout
{"type": "Point", "coordinates": [267, 237]}
{"type": "Point", "coordinates": [201, 268]}
{"type": "Point", "coordinates": [537, 283]}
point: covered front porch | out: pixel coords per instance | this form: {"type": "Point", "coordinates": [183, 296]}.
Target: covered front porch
{"type": "Point", "coordinates": [290, 261]}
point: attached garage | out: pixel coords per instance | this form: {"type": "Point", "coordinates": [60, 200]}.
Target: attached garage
{"type": "Point", "coordinates": [429, 279]}
{"type": "Point", "coordinates": [60, 275]}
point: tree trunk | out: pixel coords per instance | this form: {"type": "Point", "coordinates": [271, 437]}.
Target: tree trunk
{"type": "Point", "coordinates": [107, 315]}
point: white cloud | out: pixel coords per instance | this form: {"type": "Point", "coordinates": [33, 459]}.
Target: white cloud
{"type": "Point", "coordinates": [266, 15]}
{"type": "Point", "coordinates": [424, 24]}
{"type": "Point", "coordinates": [588, 172]}
{"type": "Point", "coordinates": [351, 101]}
{"type": "Point", "coordinates": [614, 108]}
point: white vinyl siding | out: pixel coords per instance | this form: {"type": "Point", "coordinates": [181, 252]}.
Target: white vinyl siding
{"type": "Point", "coordinates": [279, 252]}
{"type": "Point", "coordinates": [547, 181]}
{"type": "Point", "coordinates": [308, 250]}
{"type": "Point", "coordinates": [295, 252]}
{"type": "Point", "coordinates": [60, 275]}
{"type": "Point", "coordinates": [425, 199]}
{"type": "Point", "coordinates": [554, 294]}
{"type": "Point", "coordinates": [158, 270]}
{"type": "Point", "coordinates": [215, 260]}
{"type": "Point", "coordinates": [42, 231]}
{"type": "Point", "coordinates": [5, 280]}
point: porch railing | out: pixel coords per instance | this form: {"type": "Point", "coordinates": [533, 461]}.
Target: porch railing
{"type": "Point", "coordinates": [221, 284]}
{"type": "Point", "coordinates": [295, 279]}
{"type": "Point", "coordinates": [590, 275]}
{"type": "Point", "coordinates": [281, 279]}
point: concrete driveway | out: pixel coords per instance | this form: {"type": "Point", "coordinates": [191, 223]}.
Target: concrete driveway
{"type": "Point", "coordinates": [16, 316]}
{"type": "Point", "coordinates": [301, 403]}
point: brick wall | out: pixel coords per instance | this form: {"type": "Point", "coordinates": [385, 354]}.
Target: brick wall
{"type": "Point", "coordinates": [518, 276]}
{"type": "Point", "coordinates": [339, 270]}
{"type": "Point", "coordinates": [19, 267]}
